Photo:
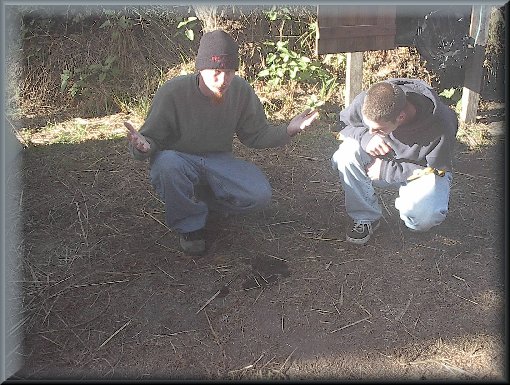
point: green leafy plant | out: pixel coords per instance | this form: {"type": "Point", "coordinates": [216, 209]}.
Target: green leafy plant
{"type": "Point", "coordinates": [82, 80]}
{"type": "Point", "coordinates": [314, 102]}
{"type": "Point", "coordinates": [278, 14]}
{"type": "Point", "coordinates": [286, 64]}
{"type": "Point", "coordinates": [188, 25]}
{"type": "Point", "coordinates": [117, 22]}
{"type": "Point", "coordinates": [453, 97]}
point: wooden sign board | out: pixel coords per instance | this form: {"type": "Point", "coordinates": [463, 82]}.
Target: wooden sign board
{"type": "Point", "coordinates": [349, 28]}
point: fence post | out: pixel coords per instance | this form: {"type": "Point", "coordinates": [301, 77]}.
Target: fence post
{"type": "Point", "coordinates": [479, 29]}
{"type": "Point", "coordinates": [353, 76]}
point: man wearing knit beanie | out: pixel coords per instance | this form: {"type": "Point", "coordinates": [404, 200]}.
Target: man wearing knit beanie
{"type": "Point", "coordinates": [188, 137]}
{"type": "Point", "coordinates": [217, 50]}
{"type": "Point", "coordinates": [217, 54]}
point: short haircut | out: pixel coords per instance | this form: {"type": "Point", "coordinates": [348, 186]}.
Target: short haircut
{"type": "Point", "coordinates": [383, 102]}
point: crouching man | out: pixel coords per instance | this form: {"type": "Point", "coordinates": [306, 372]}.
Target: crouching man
{"type": "Point", "coordinates": [188, 136]}
{"type": "Point", "coordinates": [398, 135]}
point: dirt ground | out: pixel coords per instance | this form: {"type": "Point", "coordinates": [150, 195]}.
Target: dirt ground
{"type": "Point", "coordinates": [106, 293]}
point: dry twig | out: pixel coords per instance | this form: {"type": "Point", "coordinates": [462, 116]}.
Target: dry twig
{"type": "Point", "coordinates": [216, 294]}
{"type": "Point", "coordinates": [114, 334]}
{"type": "Point", "coordinates": [287, 360]}
{"type": "Point", "coordinates": [399, 317]}
{"type": "Point", "coordinates": [349, 325]}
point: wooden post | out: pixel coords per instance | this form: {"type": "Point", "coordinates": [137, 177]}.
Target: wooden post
{"type": "Point", "coordinates": [479, 29]}
{"type": "Point", "coordinates": [353, 76]}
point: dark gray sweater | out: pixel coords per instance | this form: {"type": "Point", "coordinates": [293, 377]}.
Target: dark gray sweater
{"type": "Point", "coordinates": [181, 118]}
{"type": "Point", "coordinates": [428, 140]}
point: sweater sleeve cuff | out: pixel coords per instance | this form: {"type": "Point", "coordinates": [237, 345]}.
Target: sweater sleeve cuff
{"type": "Point", "coordinates": [286, 137]}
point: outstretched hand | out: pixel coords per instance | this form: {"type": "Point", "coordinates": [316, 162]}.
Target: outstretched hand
{"type": "Point", "coordinates": [137, 140]}
{"type": "Point", "coordinates": [301, 121]}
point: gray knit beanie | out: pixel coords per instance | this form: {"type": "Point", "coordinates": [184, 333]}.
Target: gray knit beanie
{"type": "Point", "coordinates": [217, 49]}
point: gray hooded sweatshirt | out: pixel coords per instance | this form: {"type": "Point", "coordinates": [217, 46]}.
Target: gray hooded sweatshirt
{"type": "Point", "coordinates": [428, 140]}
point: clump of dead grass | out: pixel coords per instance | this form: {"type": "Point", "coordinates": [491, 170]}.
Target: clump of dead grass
{"type": "Point", "coordinates": [474, 136]}
{"type": "Point", "coordinates": [43, 112]}
{"type": "Point", "coordinates": [150, 51]}
{"type": "Point", "coordinates": [78, 130]}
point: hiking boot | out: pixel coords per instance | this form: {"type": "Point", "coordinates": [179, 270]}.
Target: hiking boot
{"type": "Point", "coordinates": [193, 243]}
{"type": "Point", "coordinates": [361, 232]}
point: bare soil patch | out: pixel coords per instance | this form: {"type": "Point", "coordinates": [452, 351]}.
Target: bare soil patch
{"type": "Point", "coordinates": [106, 293]}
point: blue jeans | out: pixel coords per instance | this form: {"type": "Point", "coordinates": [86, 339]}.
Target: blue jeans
{"type": "Point", "coordinates": [236, 186]}
{"type": "Point", "coordinates": [422, 203]}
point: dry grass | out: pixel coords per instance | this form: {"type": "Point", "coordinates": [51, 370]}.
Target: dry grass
{"type": "Point", "coordinates": [78, 130]}
{"type": "Point", "coordinates": [474, 136]}
{"type": "Point", "coordinates": [105, 292]}
{"type": "Point", "coordinates": [286, 270]}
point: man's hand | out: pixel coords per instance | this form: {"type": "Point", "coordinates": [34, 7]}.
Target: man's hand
{"type": "Point", "coordinates": [136, 139]}
{"type": "Point", "coordinates": [374, 169]}
{"type": "Point", "coordinates": [301, 121]}
{"type": "Point", "coordinates": [377, 146]}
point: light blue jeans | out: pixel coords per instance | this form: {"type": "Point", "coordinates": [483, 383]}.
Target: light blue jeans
{"type": "Point", "coordinates": [422, 203]}
{"type": "Point", "coordinates": [237, 186]}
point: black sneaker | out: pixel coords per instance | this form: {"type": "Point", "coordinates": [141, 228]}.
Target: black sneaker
{"type": "Point", "coordinates": [361, 232]}
{"type": "Point", "coordinates": [193, 243]}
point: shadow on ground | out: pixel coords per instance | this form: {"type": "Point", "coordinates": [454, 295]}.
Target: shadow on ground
{"type": "Point", "coordinates": [105, 292]}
